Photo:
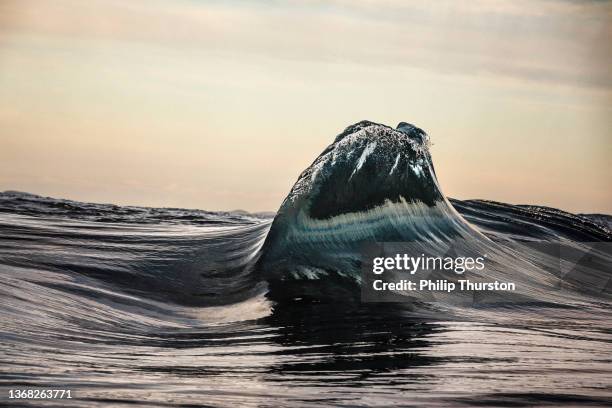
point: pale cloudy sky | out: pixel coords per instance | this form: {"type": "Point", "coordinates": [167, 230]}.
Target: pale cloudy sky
{"type": "Point", "coordinates": [221, 104]}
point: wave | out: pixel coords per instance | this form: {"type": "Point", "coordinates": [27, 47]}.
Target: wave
{"type": "Point", "coordinates": [372, 184]}
{"type": "Point", "coordinates": [378, 184]}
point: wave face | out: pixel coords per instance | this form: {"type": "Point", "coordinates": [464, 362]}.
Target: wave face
{"type": "Point", "coordinates": [377, 184]}
{"type": "Point", "coordinates": [374, 183]}
{"type": "Point", "coordinates": [165, 306]}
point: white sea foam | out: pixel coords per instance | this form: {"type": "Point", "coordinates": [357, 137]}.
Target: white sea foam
{"type": "Point", "coordinates": [395, 164]}
{"type": "Point", "coordinates": [364, 155]}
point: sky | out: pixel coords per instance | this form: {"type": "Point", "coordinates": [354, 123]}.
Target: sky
{"type": "Point", "coordinates": [220, 105]}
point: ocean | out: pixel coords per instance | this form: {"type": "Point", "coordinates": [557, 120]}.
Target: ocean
{"type": "Point", "coordinates": [129, 306]}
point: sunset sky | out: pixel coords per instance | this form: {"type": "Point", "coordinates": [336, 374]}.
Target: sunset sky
{"type": "Point", "coordinates": [220, 105]}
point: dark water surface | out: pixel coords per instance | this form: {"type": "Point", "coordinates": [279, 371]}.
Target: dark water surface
{"type": "Point", "coordinates": [128, 306]}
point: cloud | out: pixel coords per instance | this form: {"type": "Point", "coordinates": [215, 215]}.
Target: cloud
{"type": "Point", "coordinates": [561, 42]}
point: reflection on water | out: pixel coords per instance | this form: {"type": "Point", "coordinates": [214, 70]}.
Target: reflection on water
{"type": "Point", "coordinates": [311, 353]}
